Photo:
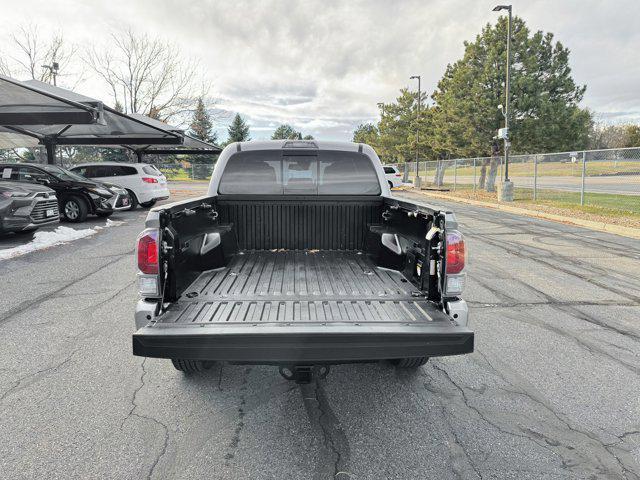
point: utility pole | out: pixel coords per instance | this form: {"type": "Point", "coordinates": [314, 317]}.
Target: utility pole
{"type": "Point", "coordinates": [506, 192]}
{"type": "Point", "coordinates": [417, 181]}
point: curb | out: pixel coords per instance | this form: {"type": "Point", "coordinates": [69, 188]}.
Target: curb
{"type": "Point", "coordinates": [590, 224]}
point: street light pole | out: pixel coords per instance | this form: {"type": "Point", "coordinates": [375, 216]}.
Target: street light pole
{"type": "Point", "coordinates": [507, 187]}
{"type": "Point", "coordinates": [417, 181]}
{"type": "Point", "coordinates": [506, 101]}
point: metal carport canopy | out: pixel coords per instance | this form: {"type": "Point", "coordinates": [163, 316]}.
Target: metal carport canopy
{"type": "Point", "coordinates": [190, 145]}
{"type": "Point", "coordinates": [25, 104]}
{"type": "Point", "coordinates": [118, 129]}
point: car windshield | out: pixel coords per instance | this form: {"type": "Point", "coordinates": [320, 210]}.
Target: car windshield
{"type": "Point", "coordinates": [63, 174]}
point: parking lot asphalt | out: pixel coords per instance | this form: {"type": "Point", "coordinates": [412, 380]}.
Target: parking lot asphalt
{"type": "Point", "coordinates": [550, 392]}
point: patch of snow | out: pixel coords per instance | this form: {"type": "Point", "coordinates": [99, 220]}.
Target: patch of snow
{"type": "Point", "coordinates": [110, 223]}
{"type": "Point", "coordinates": [42, 240]}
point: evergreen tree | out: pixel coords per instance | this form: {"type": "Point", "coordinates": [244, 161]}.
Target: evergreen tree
{"type": "Point", "coordinates": [308, 137]}
{"type": "Point", "coordinates": [367, 133]}
{"type": "Point", "coordinates": [398, 125]}
{"type": "Point", "coordinates": [286, 132]}
{"type": "Point", "coordinates": [238, 130]}
{"type": "Point", "coordinates": [545, 115]}
{"type": "Point", "coordinates": [201, 126]}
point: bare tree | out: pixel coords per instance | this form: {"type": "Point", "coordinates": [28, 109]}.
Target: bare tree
{"type": "Point", "coordinates": [146, 75]}
{"type": "Point", "coordinates": [30, 52]}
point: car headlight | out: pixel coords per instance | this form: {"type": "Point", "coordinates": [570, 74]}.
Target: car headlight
{"type": "Point", "coordinates": [15, 194]}
{"type": "Point", "coordinates": [101, 191]}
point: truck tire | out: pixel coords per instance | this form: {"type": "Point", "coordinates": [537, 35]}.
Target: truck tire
{"type": "Point", "coordinates": [411, 362]}
{"type": "Point", "coordinates": [74, 209]}
{"type": "Point", "coordinates": [191, 366]}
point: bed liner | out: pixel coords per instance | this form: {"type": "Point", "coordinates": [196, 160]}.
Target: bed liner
{"type": "Point", "coordinates": [301, 306]}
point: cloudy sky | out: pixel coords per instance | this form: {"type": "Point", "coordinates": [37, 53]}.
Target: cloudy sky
{"type": "Point", "coordinates": [323, 65]}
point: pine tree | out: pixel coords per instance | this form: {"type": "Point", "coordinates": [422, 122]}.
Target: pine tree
{"type": "Point", "coordinates": [238, 130]}
{"type": "Point", "coordinates": [545, 115]}
{"type": "Point", "coordinates": [201, 126]}
{"type": "Point", "coordinates": [286, 132]}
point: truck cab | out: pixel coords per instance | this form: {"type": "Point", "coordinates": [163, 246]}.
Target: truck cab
{"type": "Point", "coordinates": [299, 257]}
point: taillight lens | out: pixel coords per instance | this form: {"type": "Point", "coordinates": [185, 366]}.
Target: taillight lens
{"type": "Point", "coordinates": [455, 252]}
{"type": "Point", "coordinates": [398, 174]}
{"type": "Point", "coordinates": [148, 252]}
{"type": "Point", "coordinates": [149, 180]}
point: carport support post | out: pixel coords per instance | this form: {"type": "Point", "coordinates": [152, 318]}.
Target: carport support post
{"type": "Point", "coordinates": [139, 156]}
{"type": "Point", "coordinates": [584, 172]}
{"type": "Point", "coordinates": [51, 152]}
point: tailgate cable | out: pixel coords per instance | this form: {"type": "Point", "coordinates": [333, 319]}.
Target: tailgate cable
{"type": "Point", "coordinates": [164, 286]}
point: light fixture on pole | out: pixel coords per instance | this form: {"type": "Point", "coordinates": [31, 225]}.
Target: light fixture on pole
{"type": "Point", "coordinates": [417, 180]}
{"type": "Point", "coordinates": [507, 188]}
{"type": "Point", "coordinates": [53, 70]}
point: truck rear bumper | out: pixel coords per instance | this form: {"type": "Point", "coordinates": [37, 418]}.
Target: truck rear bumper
{"type": "Point", "coordinates": [300, 344]}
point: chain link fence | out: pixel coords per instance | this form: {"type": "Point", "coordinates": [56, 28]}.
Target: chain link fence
{"type": "Point", "coordinates": [185, 171]}
{"type": "Point", "coordinates": [603, 178]}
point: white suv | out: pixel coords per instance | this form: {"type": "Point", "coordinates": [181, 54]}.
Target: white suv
{"type": "Point", "coordinates": [144, 182]}
{"type": "Point", "coordinates": [393, 176]}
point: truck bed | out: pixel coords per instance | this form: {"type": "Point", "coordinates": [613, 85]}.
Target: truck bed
{"type": "Point", "coordinates": [301, 306]}
{"type": "Point", "coordinates": [301, 286]}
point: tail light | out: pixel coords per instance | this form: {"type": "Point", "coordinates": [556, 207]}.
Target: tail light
{"type": "Point", "coordinates": [455, 252]}
{"type": "Point", "coordinates": [398, 174]}
{"type": "Point", "coordinates": [149, 180]}
{"type": "Point", "coordinates": [148, 252]}
{"type": "Point", "coordinates": [455, 278]}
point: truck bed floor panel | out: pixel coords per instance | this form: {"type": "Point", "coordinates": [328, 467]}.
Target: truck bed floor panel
{"type": "Point", "coordinates": [300, 286]}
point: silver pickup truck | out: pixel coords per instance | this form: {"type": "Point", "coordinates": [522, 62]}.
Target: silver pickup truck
{"type": "Point", "coordinates": [299, 257]}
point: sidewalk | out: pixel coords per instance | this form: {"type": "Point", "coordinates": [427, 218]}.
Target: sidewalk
{"type": "Point", "coordinates": [617, 225]}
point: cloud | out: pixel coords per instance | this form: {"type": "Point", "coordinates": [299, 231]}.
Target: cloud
{"type": "Point", "coordinates": [323, 65]}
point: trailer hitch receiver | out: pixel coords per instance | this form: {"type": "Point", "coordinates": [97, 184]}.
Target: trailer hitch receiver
{"type": "Point", "coordinates": [304, 373]}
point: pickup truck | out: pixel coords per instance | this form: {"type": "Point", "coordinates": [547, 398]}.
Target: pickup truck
{"type": "Point", "coordinates": [299, 257]}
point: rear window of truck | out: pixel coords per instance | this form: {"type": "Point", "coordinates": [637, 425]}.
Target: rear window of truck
{"type": "Point", "coordinates": [275, 173]}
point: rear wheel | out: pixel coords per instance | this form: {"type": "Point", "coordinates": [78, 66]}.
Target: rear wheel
{"type": "Point", "coordinates": [133, 199]}
{"type": "Point", "coordinates": [74, 209]}
{"type": "Point", "coordinates": [411, 362]}
{"type": "Point", "coordinates": [390, 184]}
{"type": "Point", "coordinates": [148, 204]}
{"type": "Point", "coordinates": [191, 366]}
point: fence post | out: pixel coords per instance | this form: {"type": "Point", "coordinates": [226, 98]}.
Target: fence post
{"type": "Point", "coordinates": [455, 174]}
{"type": "Point", "coordinates": [535, 178]}
{"type": "Point", "coordinates": [474, 175]}
{"type": "Point", "coordinates": [584, 172]}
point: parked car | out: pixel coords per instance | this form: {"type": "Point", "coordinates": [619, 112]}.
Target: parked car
{"type": "Point", "coordinates": [25, 207]}
{"type": "Point", "coordinates": [299, 257]}
{"type": "Point", "coordinates": [144, 182]}
{"type": "Point", "coordinates": [393, 176]}
{"type": "Point", "coordinates": [77, 196]}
